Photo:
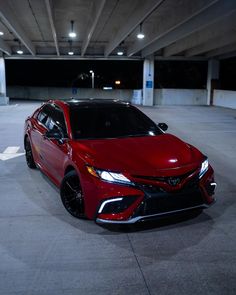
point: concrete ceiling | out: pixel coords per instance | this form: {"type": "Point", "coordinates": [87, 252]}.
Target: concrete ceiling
{"type": "Point", "coordinates": [174, 29]}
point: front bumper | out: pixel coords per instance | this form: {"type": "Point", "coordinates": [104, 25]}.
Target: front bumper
{"type": "Point", "coordinates": [146, 217]}
{"type": "Point", "coordinates": [156, 202]}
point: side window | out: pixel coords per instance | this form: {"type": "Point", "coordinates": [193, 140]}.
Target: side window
{"type": "Point", "coordinates": [44, 114]}
{"type": "Point", "coordinates": [52, 117]}
{"type": "Point", "coordinates": [57, 120]}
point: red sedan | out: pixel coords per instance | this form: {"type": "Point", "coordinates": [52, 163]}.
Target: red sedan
{"type": "Point", "coordinates": [113, 164]}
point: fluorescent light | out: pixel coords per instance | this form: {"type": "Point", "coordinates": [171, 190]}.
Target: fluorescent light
{"type": "Point", "coordinates": [140, 35]}
{"type": "Point", "coordinates": [19, 51]}
{"type": "Point", "coordinates": [72, 34]}
{"type": "Point", "coordinates": [1, 33]}
{"type": "Point", "coordinates": [120, 52]}
{"type": "Point", "coordinates": [71, 52]}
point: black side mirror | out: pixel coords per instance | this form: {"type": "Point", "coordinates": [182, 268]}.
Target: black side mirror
{"type": "Point", "coordinates": [162, 126]}
{"type": "Point", "coordinates": [55, 134]}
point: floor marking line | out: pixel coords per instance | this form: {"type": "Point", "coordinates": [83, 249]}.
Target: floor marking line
{"type": "Point", "coordinates": [11, 150]}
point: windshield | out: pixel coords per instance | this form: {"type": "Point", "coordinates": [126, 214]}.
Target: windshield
{"type": "Point", "coordinates": [109, 121]}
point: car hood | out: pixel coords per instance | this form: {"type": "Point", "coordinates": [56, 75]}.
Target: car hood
{"type": "Point", "coordinates": [150, 155]}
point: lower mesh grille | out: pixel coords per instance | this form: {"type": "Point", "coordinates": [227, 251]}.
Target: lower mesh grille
{"type": "Point", "coordinates": [157, 200]}
{"type": "Point", "coordinates": [171, 202]}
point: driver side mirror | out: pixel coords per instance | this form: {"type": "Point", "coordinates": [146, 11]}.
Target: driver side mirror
{"type": "Point", "coordinates": [162, 126]}
{"type": "Point", "coordinates": [54, 134]}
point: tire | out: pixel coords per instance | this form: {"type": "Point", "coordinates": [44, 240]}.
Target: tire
{"type": "Point", "coordinates": [72, 195]}
{"type": "Point", "coordinates": [29, 155]}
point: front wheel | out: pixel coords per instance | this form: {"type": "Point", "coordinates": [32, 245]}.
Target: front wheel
{"type": "Point", "coordinates": [72, 195]}
{"type": "Point", "coordinates": [29, 155]}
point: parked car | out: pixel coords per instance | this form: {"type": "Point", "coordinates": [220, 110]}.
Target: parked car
{"type": "Point", "coordinates": [113, 164]}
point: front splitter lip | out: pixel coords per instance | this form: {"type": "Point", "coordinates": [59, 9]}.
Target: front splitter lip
{"type": "Point", "coordinates": [139, 218]}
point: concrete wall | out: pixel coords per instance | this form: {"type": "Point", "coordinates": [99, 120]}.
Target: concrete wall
{"type": "Point", "coordinates": [225, 98]}
{"type": "Point", "coordinates": [45, 93]}
{"type": "Point", "coordinates": [161, 96]}
{"type": "Point", "coordinates": [180, 97]}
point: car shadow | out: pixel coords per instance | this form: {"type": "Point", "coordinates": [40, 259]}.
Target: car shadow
{"type": "Point", "coordinates": [160, 223]}
{"type": "Point", "coordinates": [52, 204]}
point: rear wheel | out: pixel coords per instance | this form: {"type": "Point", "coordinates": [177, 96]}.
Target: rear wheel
{"type": "Point", "coordinates": [29, 155]}
{"type": "Point", "coordinates": [72, 195]}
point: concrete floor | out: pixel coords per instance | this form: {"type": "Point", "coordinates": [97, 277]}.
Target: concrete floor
{"type": "Point", "coordinates": [44, 250]}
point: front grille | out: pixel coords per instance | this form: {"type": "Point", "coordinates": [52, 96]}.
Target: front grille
{"type": "Point", "coordinates": [157, 200]}
{"type": "Point", "coordinates": [168, 202]}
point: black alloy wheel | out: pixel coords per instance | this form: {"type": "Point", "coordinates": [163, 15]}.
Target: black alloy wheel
{"type": "Point", "coordinates": [29, 155]}
{"type": "Point", "coordinates": [71, 195]}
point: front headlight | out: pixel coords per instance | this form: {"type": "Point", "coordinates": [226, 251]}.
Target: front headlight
{"type": "Point", "coordinates": [108, 175]}
{"type": "Point", "coordinates": [204, 168]}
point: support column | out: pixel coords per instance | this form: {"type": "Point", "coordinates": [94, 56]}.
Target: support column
{"type": "Point", "coordinates": [4, 100]}
{"type": "Point", "coordinates": [212, 79]}
{"type": "Point", "coordinates": [148, 81]}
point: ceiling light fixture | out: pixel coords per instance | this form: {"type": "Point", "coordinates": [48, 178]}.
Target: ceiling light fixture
{"type": "Point", "coordinates": [140, 35]}
{"type": "Point", "coordinates": [72, 34]}
{"type": "Point", "coordinates": [120, 52]}
{"type": "Point", "coordinates": [1, 33]}
{"type": "Point", "coordinates": [120, 49]}
{"type": "Point", "coordinates": [19, 50]}
{"type": "Point", "coordinates": [70, 52]}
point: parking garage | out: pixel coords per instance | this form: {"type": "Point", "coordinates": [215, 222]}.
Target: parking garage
{"type": "Point", "coordinates": [45, 250]}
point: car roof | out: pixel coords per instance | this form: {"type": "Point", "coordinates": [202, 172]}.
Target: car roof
{"type": "Point", "coordinates": [95, 102]}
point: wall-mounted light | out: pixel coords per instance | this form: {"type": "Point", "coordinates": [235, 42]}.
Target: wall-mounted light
{"type": "Point", "coordinates": [140, 35]}
{"type": "Point", "coordinates": [72, 34]}
{"type": "Point", "coordinates": [70, 52]}
{"type": "Point", "coordinates": [1, 33]}
{"type": "Point", "coordinates": [117, 82]}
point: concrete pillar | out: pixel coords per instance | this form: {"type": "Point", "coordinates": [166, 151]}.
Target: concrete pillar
{"type": "Point", "coordinates": [3, 98]}
{"type": "Point", "coordinates": [212, 79]}
{"type": "Point", "coordinates": [148, 81]}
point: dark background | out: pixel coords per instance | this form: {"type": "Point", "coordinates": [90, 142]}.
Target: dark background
{"type": "Point", "coordinates": [64, 73]}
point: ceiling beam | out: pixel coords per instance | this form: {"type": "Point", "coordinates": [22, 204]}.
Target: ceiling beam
{"type": "Point", "coordinates": [228, 55]}
{"type": "Point", "coordinates": [223, 26]}
{"type": "Point", "coordinates": [97, 9]}
{"type": "Point", "coordinates": [8, 17]}
{"type": "Point", "coordinates": [4, 47]}
{"type": "Point", "coordinates": [74, 57]}
{"type": "Point", "coordinates": [141, 11]}
{"type": "Point", "coordinates": [222, 51]}
{"type": "Point", "coordinates": [212, 44]}
{"type": "Point", "coordinates": [200, 19]}
{"type": "Point", "coordinates": [168, 17]}
{"type": "Point", "coordinates": [51, 20]}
